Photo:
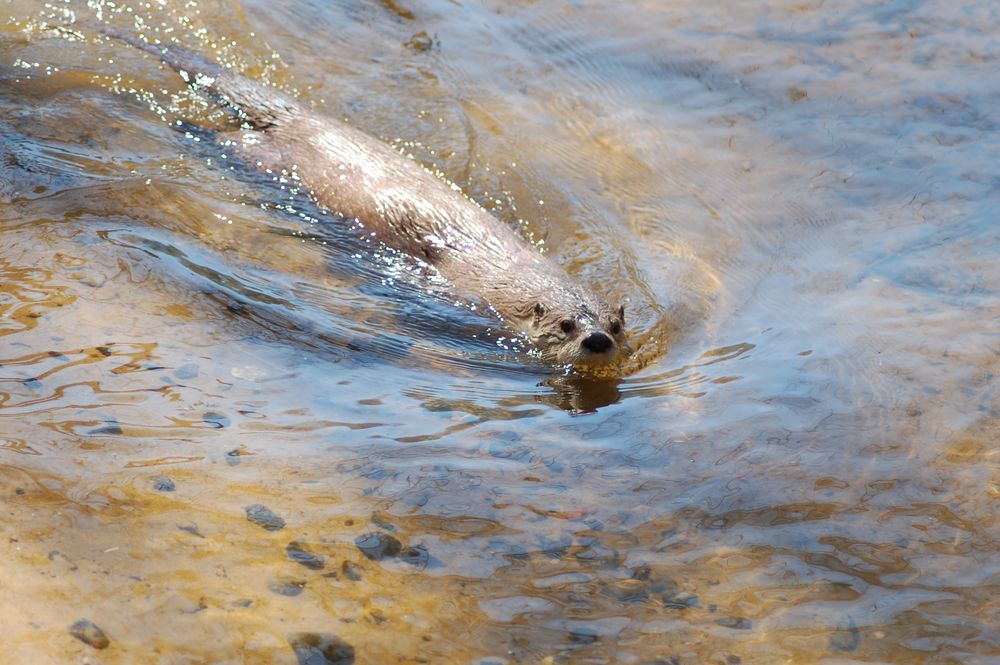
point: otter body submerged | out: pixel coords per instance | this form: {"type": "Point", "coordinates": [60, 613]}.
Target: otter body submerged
{"type": "Point", "coordinates": [409, 209]}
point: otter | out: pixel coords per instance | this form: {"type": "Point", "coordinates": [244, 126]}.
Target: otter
{"type": "Point", "coordinates": [406, 207]}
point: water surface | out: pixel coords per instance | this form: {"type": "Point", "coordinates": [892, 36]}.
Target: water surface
{"type": "Point", "coordinates": [798, 465]}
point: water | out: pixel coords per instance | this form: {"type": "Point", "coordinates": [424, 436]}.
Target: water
{"type": "Point", "coordinates": [798, 465]}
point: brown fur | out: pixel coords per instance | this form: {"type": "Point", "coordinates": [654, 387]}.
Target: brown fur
{"type": "Point", "coordinates": [410, 209]}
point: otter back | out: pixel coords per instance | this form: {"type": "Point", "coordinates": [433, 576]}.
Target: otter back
{"type": "Point", "coordinates": [408, 208]}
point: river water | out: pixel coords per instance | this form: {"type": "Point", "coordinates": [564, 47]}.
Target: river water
{"type": "Point", "coordinates": [232, 433]}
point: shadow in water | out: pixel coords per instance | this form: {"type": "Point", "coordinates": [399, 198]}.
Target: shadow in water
{"type": "Point", "coordinates": [581, 394]}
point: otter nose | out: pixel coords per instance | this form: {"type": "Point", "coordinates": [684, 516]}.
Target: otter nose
{"type": "Point", "coordinates": [597, 342]}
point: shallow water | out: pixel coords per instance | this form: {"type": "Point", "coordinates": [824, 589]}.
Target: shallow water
{"type": "Point", "coordinates": [799, 464]}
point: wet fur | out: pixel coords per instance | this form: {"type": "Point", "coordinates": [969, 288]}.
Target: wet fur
{"type": "Point", "coordinates": [407, 208]}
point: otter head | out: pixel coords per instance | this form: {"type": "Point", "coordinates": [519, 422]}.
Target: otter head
{"type": "Point", "coordinates": [581, 334]}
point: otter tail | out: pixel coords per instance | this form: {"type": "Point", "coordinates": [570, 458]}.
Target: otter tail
{"type": "Point", "coordinates": [259, 105]}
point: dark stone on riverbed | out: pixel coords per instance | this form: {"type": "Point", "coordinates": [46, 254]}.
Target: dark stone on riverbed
{"type": "Point", "coordinates": [582, 636]}
{"type": "Point", "coordinates": [382, 524]}
{"type": "Point", "coordinates": [627, 591]}
{"type": "Point", "coordinates": [299, 553]}
{"type": "Point", "coordinates": [286, 586]}
{"type": "Point", "coordinates": [264, 517]}
{"type": "Point", "coordinates": [415, 556]}
{"type": "Point", "coordinates": [321, 649]}
{"type": "Point", "coordinates": [217, 420]}
{"type": "Point", "coordinates": [351, 570]}
{"type": "Point", "coordinates": [163, 484]}
{"type": "Point", "coordinates": [377, 546]}
{"type": "Point", "coordinates": [191, 528]}
{"type": "Point", "coordinates": [680, 600]}
{"type": "Point", "coordinates": [736, 623]}
{"type": "Point", "coordinates": [235, 456]}
{"type": "Point", "coordinates": [110, 426]}
{"type": "Point", "coordinates": [597, 554]}
{"type": "Point", "coordinates": [87, 632]}
{"type": "Point", "coordinates": [642, 572]}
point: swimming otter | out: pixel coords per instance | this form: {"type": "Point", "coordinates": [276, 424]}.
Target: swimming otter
{"type": "Point", "coordinates": [408, 208]}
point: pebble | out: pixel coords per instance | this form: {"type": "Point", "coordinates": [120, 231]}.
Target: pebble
{"type": "Point", "coordinates": [234, 457]}
{"type": "Point", "coordinates": [351, 570]}
{"type": "Point", "coordinates": [163, 484]}
{"type": "Point", "coordinates": [421, 41]}
{"type": "Point", "coordinates": [680, 600]}
{"type": "Point", "coordinates": [191, 528]}
{"type": "Point", "coordinates": [87, 632]}
{"type": "Point", "coordinates": [415, 556]}
{"type": "Point", "coordinates": [642, 572]}
{"type": "Point", "coordinates": [215, 419]}
{"type": "Point", "coordinates": [583, 635]}
{"type": "Point", "coordinates": [376, 546]}
{"type": "Point", "coordinates": [598, 554]}
{"type": "Point", "coordinates": [286, 586]}
{"type": "Point", "coordinates": [321, 649]}
{"type": "Point", "coordinates": [736, 623]}
{"type": "Point", "coordinates": [382, 524]}
{"type": "Point", "coordinates": [264, 517]}
{"type": "Point", "coordinates": [110, 426]}
{"type": "Point", "coordinates": [299, 553]}
{"type": "Point", "coordinates": [628, 591]}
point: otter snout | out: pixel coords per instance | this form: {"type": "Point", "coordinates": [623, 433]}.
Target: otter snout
{"type": "Point", "coordinates": [597, 342]}
{"type": "Point", "coordinates": [578, 334]}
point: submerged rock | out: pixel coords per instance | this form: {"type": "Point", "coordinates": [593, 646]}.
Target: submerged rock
{"type": "Point", "coordinates": [321, 649]}
{"type": "Point", "coordinates": [299, 553]}
{"type": "Point", "coordinates": [736, 623]}
{"type": "Point", "coordinates": [88, 632]}
{"type": "Point", "coordinates": [286, 586]}
{"type": "Point", "coordinates": [264, 517]}
{"type": "Point", "coordinates": [681, 600]}
{"type": "Point", "coordinates": [417, 556]}
{"type": "Point", "coordinates": [163, 484]}
{"type": "Point", "coordinates": [351, 570]}
{"type": "Point", "coordinates": [216, 420]}
{"type": "Point", "coordinates": [377, 546]}
{"type": "Point", "coordinates": [583, 635]}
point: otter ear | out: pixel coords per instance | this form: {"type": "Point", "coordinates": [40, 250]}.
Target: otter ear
{"type": "Point", "coordinates": [621, 313]}
{"type": "Point", "coordinates": [539, 310]}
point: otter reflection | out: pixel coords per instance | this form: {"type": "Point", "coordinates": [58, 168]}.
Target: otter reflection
{"type": "Point", "coordinates": [581, 393]}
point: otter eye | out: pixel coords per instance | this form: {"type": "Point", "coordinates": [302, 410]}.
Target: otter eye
{"type": "Point", "coordinates": [539, 309]}
{"type": "Point", "coordinates": [567, 325]}
{"type": "Point", "coordinates": [616, 327]}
